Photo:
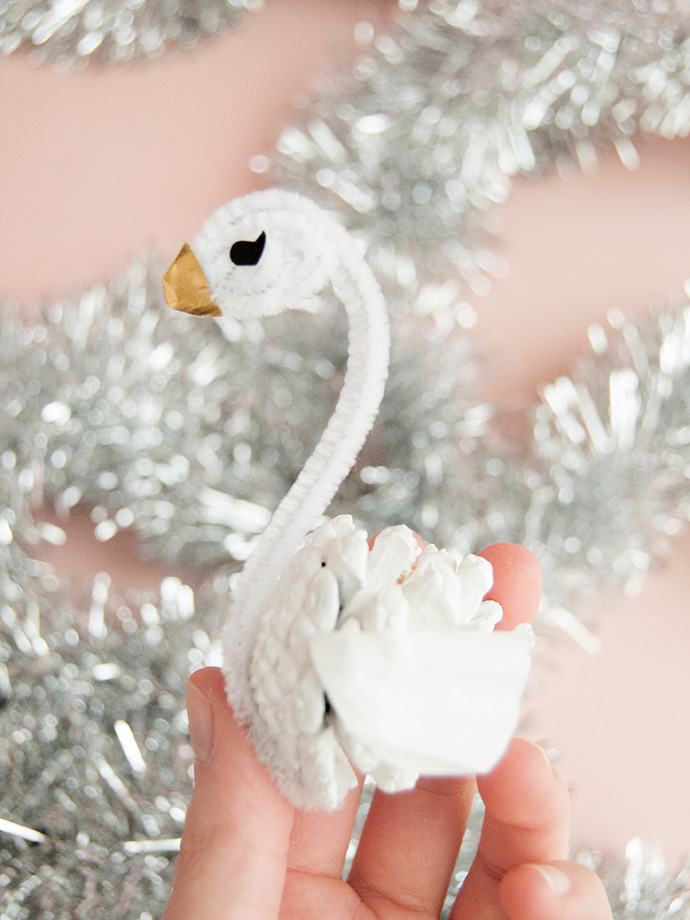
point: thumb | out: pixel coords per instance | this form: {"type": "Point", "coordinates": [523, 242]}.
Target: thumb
{"type": "Point", "coordinates": [233, 857]}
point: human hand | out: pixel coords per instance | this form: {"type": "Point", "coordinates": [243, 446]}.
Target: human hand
{"type": "Point", "coordinates": [247, 853]}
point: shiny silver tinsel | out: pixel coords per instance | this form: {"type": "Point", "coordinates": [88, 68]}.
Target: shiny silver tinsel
{"type": "Point", "coordinates": [642, 887]}
{"type": "Point", "coordinates": [94, 750]}
{"type": "Point", "coordinates": [417, 146]}
{"type": "Point", "coordinates": [615, 443]}
{"type": "Point", "coordinates": [73, 32]}
{"type": "Point", "coordinates": [190, 432]}
{"type": "Point", "coordinates": [423, 139]}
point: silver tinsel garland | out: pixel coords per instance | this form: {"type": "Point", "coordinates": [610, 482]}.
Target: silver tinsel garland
{"type": "Point", "coordinates": [414, 149]}
{"type": "Point", "coordinates": [191, 432]}
{"type": "Point", "coordinates": [71, 33]}
{"type": "Point", "coordinates": [424, 138]}
{"type": "Point", "coordinates": [642, 887]}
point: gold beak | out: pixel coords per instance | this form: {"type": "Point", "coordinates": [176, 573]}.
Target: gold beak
{"type": "Point", "coordinates": [185, 286]}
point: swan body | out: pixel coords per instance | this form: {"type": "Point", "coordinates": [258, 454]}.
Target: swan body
{"type": "Point", "coordinates": [335, 655]}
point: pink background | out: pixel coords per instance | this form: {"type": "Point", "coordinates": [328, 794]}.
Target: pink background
{"type": "Point", "coordinates": [96, 164]}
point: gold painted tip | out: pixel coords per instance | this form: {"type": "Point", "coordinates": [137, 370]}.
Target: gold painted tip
{"type": "Point", "coordinates": [185, 286]}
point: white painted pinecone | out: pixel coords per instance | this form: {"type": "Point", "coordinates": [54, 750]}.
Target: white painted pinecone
{"type": "Point", "coordinates": [335, 586]}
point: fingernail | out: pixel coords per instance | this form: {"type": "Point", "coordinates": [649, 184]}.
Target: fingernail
{"type": "Point", "coordinates": [558, 881]}
{"type": "Point", "coordinates": [545, 755]}
{"type": "Point", "coordinates": [200, 722]}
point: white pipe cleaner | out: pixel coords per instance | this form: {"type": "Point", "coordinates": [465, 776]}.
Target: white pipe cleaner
{"type": "Point", "coordinates": [335, 655]}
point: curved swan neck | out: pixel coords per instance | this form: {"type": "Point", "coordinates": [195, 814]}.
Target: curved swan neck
{"type": "Point", "coordinates": [336, 452]}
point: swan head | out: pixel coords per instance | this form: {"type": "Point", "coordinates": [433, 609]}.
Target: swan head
{"type": "Point", "coordinates": [256, 256]}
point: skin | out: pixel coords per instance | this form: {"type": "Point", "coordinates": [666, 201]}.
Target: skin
{"type": "Point", "coordinates": [247, 853]}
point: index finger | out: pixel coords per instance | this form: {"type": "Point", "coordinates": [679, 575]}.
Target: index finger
{"type": "Point", "coordinates": [517, 583]}
{"type": "Point", "coordinates": [233, 858]}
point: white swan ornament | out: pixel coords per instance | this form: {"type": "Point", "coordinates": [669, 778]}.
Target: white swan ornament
{"type": "Point", "coordinates": [336, 655]}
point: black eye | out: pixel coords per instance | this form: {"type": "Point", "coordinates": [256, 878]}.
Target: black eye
{"type": "Point", "coordinates": [248, 252]}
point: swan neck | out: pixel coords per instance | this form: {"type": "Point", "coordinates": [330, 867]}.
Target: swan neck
{"type": "Point", "coordinates": [342, 439]}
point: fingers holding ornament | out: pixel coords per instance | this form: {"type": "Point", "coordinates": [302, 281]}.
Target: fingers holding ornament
{"type": "Point", "coordinates": [559, 888]}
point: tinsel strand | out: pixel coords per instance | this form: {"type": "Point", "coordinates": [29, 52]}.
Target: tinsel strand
{"type": "Point", "coordinates": [111, 31]}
